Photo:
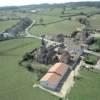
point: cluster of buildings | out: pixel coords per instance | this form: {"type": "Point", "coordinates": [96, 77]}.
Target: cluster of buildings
{"type": "Point", "coordinates": [64, 57]}
{"type": "Point", "coordinates": [67, 58]}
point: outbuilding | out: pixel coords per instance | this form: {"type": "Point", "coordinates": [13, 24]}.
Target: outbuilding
{"type": "Point", "coordinates": [54, 76]}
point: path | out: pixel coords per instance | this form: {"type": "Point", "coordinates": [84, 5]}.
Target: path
{"type": "Point", "coordinates": [29, 35]}
{"type": "Point", "coordinates": [96, 35]}
{"type": "Point", "coordinates": [92, 52]}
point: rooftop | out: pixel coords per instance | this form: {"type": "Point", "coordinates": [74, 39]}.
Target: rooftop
{"type": "Point", "coordinates": [52, 78]}
{"type": "Point", "coordinates": [59, 68]}
{"type": "Point", "coordinates": [55, 73]}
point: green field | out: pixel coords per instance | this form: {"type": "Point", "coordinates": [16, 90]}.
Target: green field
{"type": "Point", "coordinates": [64, 27]}
{"type": "Point", "coordinates": [7, 24]}
{"type": "Point", "coordinates": [68, 11]}
{"type": "Point", "coordinates": [87, 87]}
{"type": "Point", "coordinates": [15, 81]}
{"type": "Point", "coordinates": [86, 10]}
{"type": "Point", "coordinates": [95, 46]}
{"type": "Point", "coordinates": [95, 21]}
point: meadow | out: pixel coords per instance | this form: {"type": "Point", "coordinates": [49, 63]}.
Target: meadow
{"type": "Point", "coordinates": [87, 86]}
{"type": "Point", "coordinates": [7, 24]}
{"type": "Point", "coordinates": [15, 81]}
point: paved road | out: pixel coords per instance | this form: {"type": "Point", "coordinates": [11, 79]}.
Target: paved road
{"type": "Point", "coordinates": [93, 53]}
{"type": "Point", "coordinates": [29, 35]}
{"type": "Point", "coordinates": [96, 35]}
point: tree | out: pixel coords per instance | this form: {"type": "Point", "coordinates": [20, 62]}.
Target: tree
{"type": "Point", "coordinates": [69, 18]}
{"type": "Point", "coordinates": [63, 10]}
{"type": "Point", "coordinates": [21, 25]}
{"type": "Point", "coordinates": [83, 20]}
{"type": "Point", "coordinates": [41, 21]}
{"type": "Point", "coordinates": [29, 67]}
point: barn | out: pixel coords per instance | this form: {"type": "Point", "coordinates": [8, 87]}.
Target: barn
{"type": "Point", "coordinates": [54, 76]}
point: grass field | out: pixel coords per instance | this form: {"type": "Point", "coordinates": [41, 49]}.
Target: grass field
{"type": "Point", "coordinates": [95, 46]}
{"type": "Point", "coordinates": [86, 10]}
{"type": "Point", "coordinates": [95, 21]}
{"type": "Point", "coordinates": [87, 87]}
{"type": "Point", "coordinates": [7, 24]}
{"type": "Point", "coordinates": [64, 27]}
{"type": "Point", "coordinates": [15, 81]}
{"type": "Point", "coordinates": [68, 11]}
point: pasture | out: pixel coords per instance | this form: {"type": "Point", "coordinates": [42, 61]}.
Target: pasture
{"type": "Point", "coordinates": [87, 86]}
{"type": "Point", "coordinates": [15, 81]}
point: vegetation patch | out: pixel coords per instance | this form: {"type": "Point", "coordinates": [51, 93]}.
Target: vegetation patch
{"type": "Point", "coordinates": [95, 46]}
{"type": "Point", "coordinates": [86, 88]}
{"type": "Point", "coordinates": [90, 59]}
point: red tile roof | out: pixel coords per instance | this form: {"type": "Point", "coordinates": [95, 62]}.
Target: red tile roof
{"type": "Point", "coordinates": [55, 73]}
{"type": "Point", "coordinates": [52, 78]}
{"type": "Point", "coordinates": [59, 68]}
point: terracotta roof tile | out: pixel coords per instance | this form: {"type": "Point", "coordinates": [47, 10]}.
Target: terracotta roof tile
{"type": "Point", "coordinates": [59, 68]}
{"type": "Point", "coordinates": [52, 78]}
{"type": "Point", "coordinates": [55, 73]}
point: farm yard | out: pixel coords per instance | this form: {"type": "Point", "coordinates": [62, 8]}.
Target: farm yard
{"type": "Point", "coordinates": [16, 82]}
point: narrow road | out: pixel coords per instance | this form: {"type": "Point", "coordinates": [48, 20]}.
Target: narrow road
{"type": "Point", "coordinates": [29, 35]}
{"type": "Point", "coordinates": [96, 35]}
{"type": "Point", "coordinates": [93, 53]}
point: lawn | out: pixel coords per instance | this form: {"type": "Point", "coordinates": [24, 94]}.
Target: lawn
{"type": "Point", "coordinates": [87, 87]}
{"type": "Point", "coordinates": [46, 18]}
{"type": "Point", "coordinates": [95, 21]}
{"type": "Point", "coordinates": [86, 10]}
{"type": "Point", "coordinates": [15, 81]}
{"type": "Point", "coordinates": [68, 11]}
{"type": "Point", "coordinates": [64, 27]}
{"type": "Point", "coordinates": [7, 24]}
{"type": "Point", "coordinates": [95, 46]}
{"type": "Point", "coordinates": [91, 59]}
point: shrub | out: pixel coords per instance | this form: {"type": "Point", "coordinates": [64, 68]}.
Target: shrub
{"type": "Point", "coordinates": [90, 59]}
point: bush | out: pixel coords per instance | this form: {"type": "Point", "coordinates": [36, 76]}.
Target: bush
{"type": "Point", "coordinates": [95, 46]}
{"type": "Point", "coordinates": [29, 67]}
{"type": "Point", "coordinates": [40, 73]}
{"type": "Point", "coordinates": [90, 59]}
